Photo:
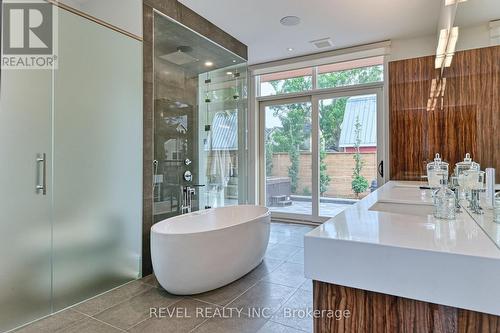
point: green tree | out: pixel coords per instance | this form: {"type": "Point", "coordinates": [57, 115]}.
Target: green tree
{"type": "Point", "coordinates": [330, 121]}
{"type": "Point", "coordinates": [351, 77]}
{"type": "Point", "coordinates": [292, 135]}
{"type": "Point", "coordinates": [324, 179]}
{"type": "Point", "coordinates": [359, 183]}
{"type": "Point", "coordinates": [269, 154]}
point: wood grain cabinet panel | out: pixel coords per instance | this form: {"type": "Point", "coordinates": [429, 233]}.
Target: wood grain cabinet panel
{"type": "Point", "coordinates": [372, 312]}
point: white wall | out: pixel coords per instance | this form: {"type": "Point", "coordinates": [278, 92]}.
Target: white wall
{"type": "Point", "coordinates": [124, 14]}
{"type": "Point", "coordinates": [469, 38]}
{"type": "Point", "coordinates": [412, 48]}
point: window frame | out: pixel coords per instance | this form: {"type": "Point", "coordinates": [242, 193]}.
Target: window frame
{"type": "Point", "coordinates": [313, 96]}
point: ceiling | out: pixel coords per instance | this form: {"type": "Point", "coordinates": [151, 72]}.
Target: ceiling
{"type": "Point", "coordinates": [347, 22]}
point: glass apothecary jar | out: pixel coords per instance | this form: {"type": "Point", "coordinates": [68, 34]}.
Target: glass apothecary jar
{"type": "Point", "coordinates": [436, 170]}
{"type": "Point", "coordinates": [465, 165]}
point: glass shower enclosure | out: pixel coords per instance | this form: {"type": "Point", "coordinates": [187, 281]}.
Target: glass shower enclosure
{"type": "Point", "coordinates": [200, 107]}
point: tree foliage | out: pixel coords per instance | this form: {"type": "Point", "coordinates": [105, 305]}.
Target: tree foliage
{"type": "Point", "coordinates": [294, 133]}
{"type": "Point", "coordinates": [291, 136]}
{"type": "Point", "coordinates": [359, 183]}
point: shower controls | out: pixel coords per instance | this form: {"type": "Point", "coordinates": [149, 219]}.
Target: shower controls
{"type": "Point", "coordinates": [187, 199]}
{"type": "Point", "coordinates": [187, 161]}
{"type": "Point", "coordinates": [188, 176]}
{"type": "Point", "coordinates": [41, 164]}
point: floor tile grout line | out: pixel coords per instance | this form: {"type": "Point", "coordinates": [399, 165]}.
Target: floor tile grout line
{"type": "Point", "coordinates": [177, 301]}
{"type": "Point", "coordinates": [295, 328]}
{"type": "Point", "coordinates": [140, 322]}
{"type": "Point", "coordinates": [118, 328]}
{"type": "Point", "coordinates": [234, 299]}
{"type": "Point", "coordinates": [89, 316]}
{"type": "Point", "coordinates": [203, 301]}
{"type": "Point", "coordinates": [284, 285]}
{"type": "Point", "coordinates": [148, 284]}
{"type": "Point", "coordinates": [109, 307]}
{"type": "Point", "coordinates": [197, 326]}
{"type": "Point", "coordinates": [280, 305]}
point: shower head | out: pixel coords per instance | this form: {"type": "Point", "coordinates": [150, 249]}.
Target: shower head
{"type": "Point", "coordinates": [180, 56]}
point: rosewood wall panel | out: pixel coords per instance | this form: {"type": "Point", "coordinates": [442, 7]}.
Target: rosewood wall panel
{"type": "Point", "coordinates": [465, 119]}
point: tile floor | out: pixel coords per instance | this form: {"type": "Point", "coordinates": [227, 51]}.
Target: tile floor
{"type": "Point", "coordinates": [266, 297]}
{"type": "Point", "coordinates": [329, 209]}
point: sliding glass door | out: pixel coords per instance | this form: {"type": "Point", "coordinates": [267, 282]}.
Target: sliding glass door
{"type": "Point", "coordinates": [319, 152]}
{"type": "Point", "coordinates": [287, 145]}
{"type": "Point", "coordinates": [348, 148]}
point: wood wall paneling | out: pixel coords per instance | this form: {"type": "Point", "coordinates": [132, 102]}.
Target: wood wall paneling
{"type": "Point", "coordinates": [468, 121]}
{"type": "Point", "coordinates": [376, 312]}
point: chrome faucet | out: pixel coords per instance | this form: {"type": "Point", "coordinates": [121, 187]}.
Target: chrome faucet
{"type": "Point", "coordinates": [475, 205]}
{"type": "Point", "coordinates": [187, 199]}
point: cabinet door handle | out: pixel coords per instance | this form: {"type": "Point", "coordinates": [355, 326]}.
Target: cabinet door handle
{"type": "Point", "coordinates": [41, 172]}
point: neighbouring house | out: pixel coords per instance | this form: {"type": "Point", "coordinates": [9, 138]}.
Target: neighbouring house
{"type": "Point", "coordinates": [363, 108]}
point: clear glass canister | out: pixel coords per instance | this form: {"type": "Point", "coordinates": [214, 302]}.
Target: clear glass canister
{"type": "Point", "coordinates": [496, 213]}
{"type": "Point", "coordinates": [436, 170]}
{"type": "Point", "coordinates": [466, 164]}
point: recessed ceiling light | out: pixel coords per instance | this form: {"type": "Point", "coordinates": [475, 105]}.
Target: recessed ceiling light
{"type": "Point", "coordinates": [209, 63]}
{"type": "Point", "coordinates": [229, 73]}
{"type": "Point", "coordinates": [289, 49]}
{"type": "Point", "coordinates": [290, 21]}
{"type": "Point", "coordinates": [234, 60]}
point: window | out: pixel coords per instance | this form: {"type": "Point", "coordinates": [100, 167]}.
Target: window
{"type": "Point", "coordinates": [351, 73]}
{"type": "Point", "coordinates": [342, 74]}
{"type": "Point", "coordinates": [286, 82]}
{"type": "Point", "coordinates": [320, 148]}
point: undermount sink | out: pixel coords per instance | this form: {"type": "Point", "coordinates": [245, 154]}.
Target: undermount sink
{"type": "Point", "coordinates": [401, 208]}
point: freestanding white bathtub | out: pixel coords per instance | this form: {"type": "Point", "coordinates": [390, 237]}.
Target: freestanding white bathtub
{"type": "Point", "coordinates": [205, 250]}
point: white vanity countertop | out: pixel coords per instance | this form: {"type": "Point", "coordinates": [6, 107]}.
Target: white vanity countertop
{"type": "Point", "coordinates": [408, 254]}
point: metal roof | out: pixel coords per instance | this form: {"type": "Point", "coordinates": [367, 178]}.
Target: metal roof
{"type": "Point", "coordinates": [224, 131]}
{"type": "Point", "coordinates": [365, 108]}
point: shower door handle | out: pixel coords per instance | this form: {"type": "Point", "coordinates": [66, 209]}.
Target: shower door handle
{"type": "Point", "coordinates": [41, 174]}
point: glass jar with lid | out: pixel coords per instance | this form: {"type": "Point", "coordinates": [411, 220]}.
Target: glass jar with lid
{"type": "Point", "coordinates": [466, 171]}
{"type": "Point", "coordinates": [466, 164]}
{"type": "Point", "coordinates": [436, 170]}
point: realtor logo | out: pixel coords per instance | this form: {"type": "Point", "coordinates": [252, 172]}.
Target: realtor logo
{"type": "Point", "coordinates": [28, 35]}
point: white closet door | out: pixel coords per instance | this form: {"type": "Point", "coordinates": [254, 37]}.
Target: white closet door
{"type": "Point", "coordinates": [25, 230]}
{"type": "Point", "coordinates": [97, 160]}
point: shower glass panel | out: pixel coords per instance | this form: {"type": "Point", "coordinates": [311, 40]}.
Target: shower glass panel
{"type": "Point", "coordinates": [200, 105]}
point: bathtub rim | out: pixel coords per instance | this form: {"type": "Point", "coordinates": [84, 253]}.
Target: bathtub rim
{"type": "Point", "coordinates": [264, 215]}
